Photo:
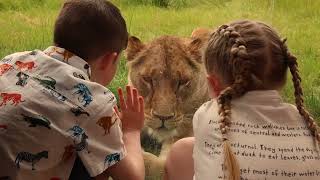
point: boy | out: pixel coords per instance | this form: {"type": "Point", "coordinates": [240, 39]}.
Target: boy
{"type": "Point", "coordinates": [54, 105]}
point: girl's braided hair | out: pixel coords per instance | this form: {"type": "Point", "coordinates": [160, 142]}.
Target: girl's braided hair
{"type": "Point", "coordinates": [296, 79]}
{"type": "Point", "coordinates": [250, 55]}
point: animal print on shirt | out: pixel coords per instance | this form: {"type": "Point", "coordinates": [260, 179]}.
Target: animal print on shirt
{"type": "Point", "coordinates": [84, 94]}
{"type": "Point", "coordinates": [25, 66]}
{"type": "Point", "coordinates": [79, 111]}
{"type": "Point", "coordinates": [22, 79]}
{"type": "Point", "coordinates": [80, 76]}
{"type": "Point", "coordinates": [66, 55]}
{"type": "Point", "coordinates": [37, 121]}
{"type": "Point", "coordinates": [5, 68]}
{"type": "Point", "coordinates": [112, 158]}
{"type": "Point", "coordinates": [68, 152]}
{"type": "Point", "coordinates": [76, 131]}
{"type": "Point", "coordinates": [48, 83]}
{"type": "Point", "coordinates": [30, 158]}
{"type": "Point", "coordinates": [83, 144]}
{"type": "Point", "coordinates": [106, 123]}
{"type": "Point", "coordinates": [14, 97]}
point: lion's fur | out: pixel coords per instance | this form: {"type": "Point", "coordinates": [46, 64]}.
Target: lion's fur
{"type": "Point", "coordinates": [168, 72]}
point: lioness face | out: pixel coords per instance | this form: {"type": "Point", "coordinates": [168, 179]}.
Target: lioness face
{"type": "Point", "coordinates": [169, 74]}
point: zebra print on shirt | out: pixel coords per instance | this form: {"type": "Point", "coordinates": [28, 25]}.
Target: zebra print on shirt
{"type": "Point", "coordinates": [30, 158]}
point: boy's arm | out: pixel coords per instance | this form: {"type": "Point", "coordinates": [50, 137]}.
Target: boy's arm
{"type": "Point", "coordinates": [132, 118]}
{"type": "Point", "coordinates": [132, 166]}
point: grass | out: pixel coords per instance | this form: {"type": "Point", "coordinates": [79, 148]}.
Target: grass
{"type": "Point", "coordinates": [27, 25]}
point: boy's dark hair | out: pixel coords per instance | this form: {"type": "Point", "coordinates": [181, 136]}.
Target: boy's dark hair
{"type": "Point", "coordinates": [90, 28]}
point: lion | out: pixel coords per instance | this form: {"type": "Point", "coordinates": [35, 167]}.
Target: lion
{"type": "Point", "coordinates": [169, 73]}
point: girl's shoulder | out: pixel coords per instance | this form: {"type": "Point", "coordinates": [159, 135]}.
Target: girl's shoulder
{"type": "Point", "coordinates": [210, 105]}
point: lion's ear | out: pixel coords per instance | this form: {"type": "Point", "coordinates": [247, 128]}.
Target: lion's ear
{"type": "Point", "coordinates": [201, 33]}
{"type": "Point", "coordinates": [199, 38]}
{"type": "Point", "coordinates": [133, 48]}
{"type": "Point", "coordinates": [195, 49]}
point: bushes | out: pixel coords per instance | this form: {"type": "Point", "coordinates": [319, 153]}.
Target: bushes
{"type": "Point", "coordinates": [19, 5]}
{"type": "Point", "coordinates": [159, 3]}
{"type": "Point", "coordinates": [173, 4]}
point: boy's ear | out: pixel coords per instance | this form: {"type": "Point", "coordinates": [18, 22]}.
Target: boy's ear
{"type": "Point", "coordinates": [133, 48]}
{"type": "Point", "coordinates": [114, 57]}
{"type": "Point", "coordinates": [108, 59]}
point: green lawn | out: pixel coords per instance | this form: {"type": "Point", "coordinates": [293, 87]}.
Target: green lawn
{"type": "Point", "coordinates": [28, 24]}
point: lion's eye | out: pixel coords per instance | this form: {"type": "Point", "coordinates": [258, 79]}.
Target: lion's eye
{"type": "Point", "coordinates": [147, 80]}
{"type": "Point", "coordinates": [184, 83]}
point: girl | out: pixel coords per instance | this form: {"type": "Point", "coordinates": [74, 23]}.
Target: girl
{"type": "Point", "coordinates": [246, 131]}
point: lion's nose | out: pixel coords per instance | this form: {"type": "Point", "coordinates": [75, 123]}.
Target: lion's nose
{"type": "Point", "coordinates": [163, 117]}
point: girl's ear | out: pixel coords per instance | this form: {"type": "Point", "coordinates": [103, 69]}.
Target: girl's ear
{"type": "Point", "coordinates": [215, 86]}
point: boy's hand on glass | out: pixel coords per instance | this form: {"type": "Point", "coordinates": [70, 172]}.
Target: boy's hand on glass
{"type": "Point", "coordinates": [132, 109]}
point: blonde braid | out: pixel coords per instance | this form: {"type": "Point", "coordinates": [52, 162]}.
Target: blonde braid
{"type": "Point", "coordinates": [241, 69]}
{"type": "Point", "coordinates": [296, 79]}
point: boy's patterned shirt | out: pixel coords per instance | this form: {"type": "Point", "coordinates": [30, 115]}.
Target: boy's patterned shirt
{"type": "Point", "coordinates": [49, 111]}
